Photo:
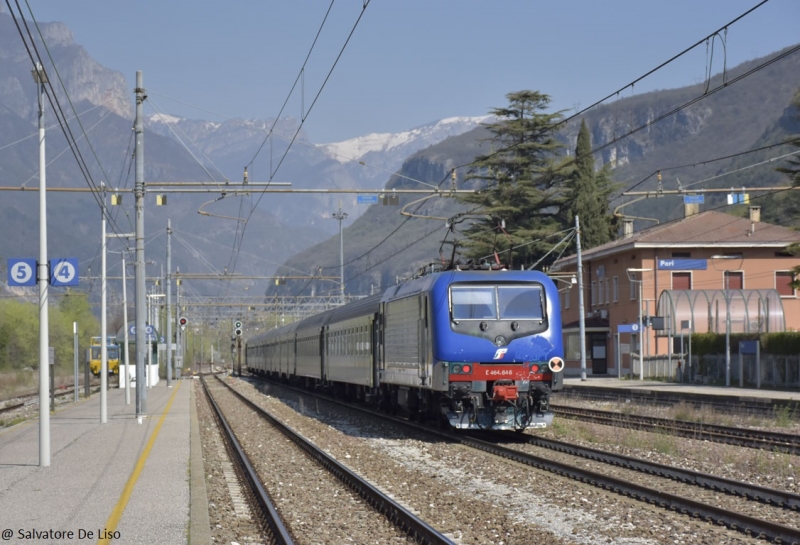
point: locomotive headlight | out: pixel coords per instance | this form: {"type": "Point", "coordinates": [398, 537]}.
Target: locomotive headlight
{"type": "Point", "coordinates": [456, 369]}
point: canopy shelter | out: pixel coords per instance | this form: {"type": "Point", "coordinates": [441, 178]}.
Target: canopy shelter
{"type": "Point", "coordinates": [750, 311]}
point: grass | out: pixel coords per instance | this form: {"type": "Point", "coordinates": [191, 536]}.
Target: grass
{"type": "Point", "coordinates": [785, 416]}
{"type": "Point", "coordinates": [12, 421]}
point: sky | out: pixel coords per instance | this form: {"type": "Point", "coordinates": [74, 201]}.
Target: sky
{"type": "Point", "coordinates": [408, 62]}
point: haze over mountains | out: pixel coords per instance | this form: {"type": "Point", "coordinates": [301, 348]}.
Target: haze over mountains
{"type": "Point", "coordinates": [298, 231]}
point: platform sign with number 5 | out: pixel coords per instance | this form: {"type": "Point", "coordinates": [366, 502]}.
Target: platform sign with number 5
{"type": "Point", "coordinates": [21, 272]}
{"type": "Point", "coordinates": [64, 271]}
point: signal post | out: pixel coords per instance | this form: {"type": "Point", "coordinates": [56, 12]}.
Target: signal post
{"type": "Point", "coordinates": [238, 336]}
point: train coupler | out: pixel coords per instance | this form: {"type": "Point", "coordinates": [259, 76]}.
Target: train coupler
{"type": "Point", "coordinates": [504, 392]}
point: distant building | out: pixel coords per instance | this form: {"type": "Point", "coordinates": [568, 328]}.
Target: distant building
{"type": "Point", "coordinates": [692, 273]}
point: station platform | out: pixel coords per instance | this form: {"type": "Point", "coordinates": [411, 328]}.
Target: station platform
{"type": "Point", "coordinates": [124, 482]}
{"type": "Point", "coordinates": [678, 390]}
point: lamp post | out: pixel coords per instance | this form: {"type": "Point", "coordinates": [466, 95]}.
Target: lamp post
{"type": "Point", "coordinates": [632, 278]}
{"type": "Point", "coordinates": [340, 216]}
{"type": "Point", "coordinates": [103, 316]}
{"type": "Point", "coordinates": [40, 77]}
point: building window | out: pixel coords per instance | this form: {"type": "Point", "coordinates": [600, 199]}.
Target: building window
{"type": "Point", "coordinates": [593, 293]}
{"type": "Point", "coordinates": [783, 281]}
{"type": "Point", "coordinates": [608, 289]}
{"type": "Point", "coordinates": [566, 299]}
{"type": "Point", "coordinates": [632, 286]}
{"type": "Point", "coordinates": [733, 280]}
{"type": "Point", "coordinates": [572, 346]}
{"type": "Point", "coordinates": [615, 285]}
{"type": "Point", "coordinates": [681, 281]}
{"type": "Point", "coordinates": [681, 255]}
{"type": "Point", "coordinates": [600, 292]}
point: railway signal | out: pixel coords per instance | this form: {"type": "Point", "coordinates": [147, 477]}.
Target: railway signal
{"type": "Point", "coordinates": [182, 322]}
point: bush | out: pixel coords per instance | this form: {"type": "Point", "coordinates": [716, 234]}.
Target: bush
{"type": "Point", "coordinates": [786, 343]}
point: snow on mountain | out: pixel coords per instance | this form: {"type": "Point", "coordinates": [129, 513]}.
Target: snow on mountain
{"type": "Point", "coordinates": [404, 143]}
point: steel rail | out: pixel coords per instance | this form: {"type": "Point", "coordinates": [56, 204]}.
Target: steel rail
{"type": "Point", "coordinates": [270, 514]}
{"type": "Point", "coordinates": [728, 403]}
{"type": "Point", "coordinates": [398, 515]}
{"type": "Point", "coordinates": [751, 526]}
{"type": "Point", "coordinates": [777, 498]}
{"type": "Point", "coordinates": [748, 525]}
{"type": "Point", "coordinates": [757, 439]}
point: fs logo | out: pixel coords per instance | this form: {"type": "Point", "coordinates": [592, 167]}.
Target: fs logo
{"type": "Point", "coordinates": [500, 353]}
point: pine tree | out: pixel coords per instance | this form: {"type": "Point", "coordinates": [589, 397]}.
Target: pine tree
{"type": "Point", "coordinates": [794, 174]}
{"type": "Point", "coordinates": [589, 194]}
{"type": "Point", "coordinates": [521, 184]}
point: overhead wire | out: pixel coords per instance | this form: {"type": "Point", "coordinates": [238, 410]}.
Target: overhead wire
{"type": "Point", "coordinates": [306, 114]}
{"type": "Point", "coordinates": [50, 92]}
{"type": "Point", "coordinates": [631, 85]}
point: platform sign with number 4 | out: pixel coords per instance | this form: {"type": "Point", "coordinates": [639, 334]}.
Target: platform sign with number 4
{"type": "Point", "coordinates": [64, 271]}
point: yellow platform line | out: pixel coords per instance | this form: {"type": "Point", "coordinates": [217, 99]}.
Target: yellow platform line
{"type": "Point", "coordinates": [116, 514]}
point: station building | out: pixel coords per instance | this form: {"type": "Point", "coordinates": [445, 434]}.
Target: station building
{"type": "Point", "coordinates": [708, 272]}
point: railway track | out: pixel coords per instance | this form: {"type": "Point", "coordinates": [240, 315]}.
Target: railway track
{"type": "Point", "coordinates": [406, 524]}
{"type": "Point", "coordinates": [777, 498]}
{"type": "Point", "coordinates": [751, 510]}
{"type": "Point", "coordinates": [33, 399]}
{"type": "Point", "coordinates": [743, 437]}
{"type": "Point", "coordinates": [260, 500]}
{"type": "Point", "coordinates": [732, 404]}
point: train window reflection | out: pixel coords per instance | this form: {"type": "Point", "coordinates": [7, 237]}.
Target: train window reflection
{"type": "Point", "coordinates": [520, 302]}
{"type": "Point", "coordinates": [473, 303]}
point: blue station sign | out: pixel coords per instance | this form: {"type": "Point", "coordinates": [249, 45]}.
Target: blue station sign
{"type": "Point", "coordinates": [628, 328]}
{"type": "Point", "coordinates": [682, 264]}
{"type": "Point", "coordinates": [367, 199]}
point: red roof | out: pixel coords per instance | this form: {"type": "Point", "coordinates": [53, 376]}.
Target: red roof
{"type": "Point", "coordinates": [704, 229]}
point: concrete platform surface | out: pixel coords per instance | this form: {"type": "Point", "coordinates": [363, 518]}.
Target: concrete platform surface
{"type": "Point", "coordinates": [121, 482]}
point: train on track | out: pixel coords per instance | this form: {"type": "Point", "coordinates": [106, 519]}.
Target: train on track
{"type": "Point", "coordinates": [479, 349]}
{"type": "Point", "coordinates": [112, 355]}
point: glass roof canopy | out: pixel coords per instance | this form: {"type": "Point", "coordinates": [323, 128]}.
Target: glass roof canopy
{"type": "Point", "coordinates": [751, 311]}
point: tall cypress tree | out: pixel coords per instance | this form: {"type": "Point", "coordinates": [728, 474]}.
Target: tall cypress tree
{"type": "Point", "coordinates": [589, 194]}
{"type": "Point", "coordinates": [521, 184]}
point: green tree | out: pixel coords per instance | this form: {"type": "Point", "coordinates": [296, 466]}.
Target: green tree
{"type": "Point", "coordinates": [521, 184]}
{"type": "Point", "coordinates": [19, 335]}
{"type": "Point", "coordinates": [793, 170]}
{"type": "Point", "coordinates": [589, 194]}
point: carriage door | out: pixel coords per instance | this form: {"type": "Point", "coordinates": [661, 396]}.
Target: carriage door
{"type": "Point", "coordinates": [424, 344]}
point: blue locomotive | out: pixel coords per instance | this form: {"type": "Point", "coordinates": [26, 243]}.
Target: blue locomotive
{"type": "Point", "coordinates": [479, 349]}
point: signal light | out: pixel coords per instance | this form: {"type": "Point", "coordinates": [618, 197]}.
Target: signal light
{"type": "Point", "coordinates": [182, 322]}
{"type": "Point", "coordinates": [238, 331]}
{"type": "Point", "coordinates": [460, 368]}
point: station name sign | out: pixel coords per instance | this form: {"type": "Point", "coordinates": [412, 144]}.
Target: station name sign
{"type": "Point", "coordinates": [682, 264]}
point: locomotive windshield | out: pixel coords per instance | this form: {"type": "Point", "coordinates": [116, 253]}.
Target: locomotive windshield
{"type": "Point", "coordinates": [508, 302]}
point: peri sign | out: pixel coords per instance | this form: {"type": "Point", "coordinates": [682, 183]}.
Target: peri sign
{"type": "Point", "coordinates": [682, 264]}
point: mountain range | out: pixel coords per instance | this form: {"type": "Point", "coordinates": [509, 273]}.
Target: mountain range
{"type": "Point", "coordinates": [279, 234]}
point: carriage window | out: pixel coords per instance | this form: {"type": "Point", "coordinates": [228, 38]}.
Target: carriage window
{"type": "Point", "coordinates": [520, 302]}
{"type": "Point", "coordinates": [473, 303]}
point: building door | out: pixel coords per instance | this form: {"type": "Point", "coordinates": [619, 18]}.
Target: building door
{"type": "Point", "coordinates": [599, 358]}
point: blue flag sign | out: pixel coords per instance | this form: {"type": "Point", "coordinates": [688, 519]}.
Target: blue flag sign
{"type": "Point", "coordinates": [693, 199]}
{"type": "Point", "coordinates": [367, 199]}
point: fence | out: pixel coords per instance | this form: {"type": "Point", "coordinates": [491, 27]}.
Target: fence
{"type": "Point", "coordinates": [776, 371]}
